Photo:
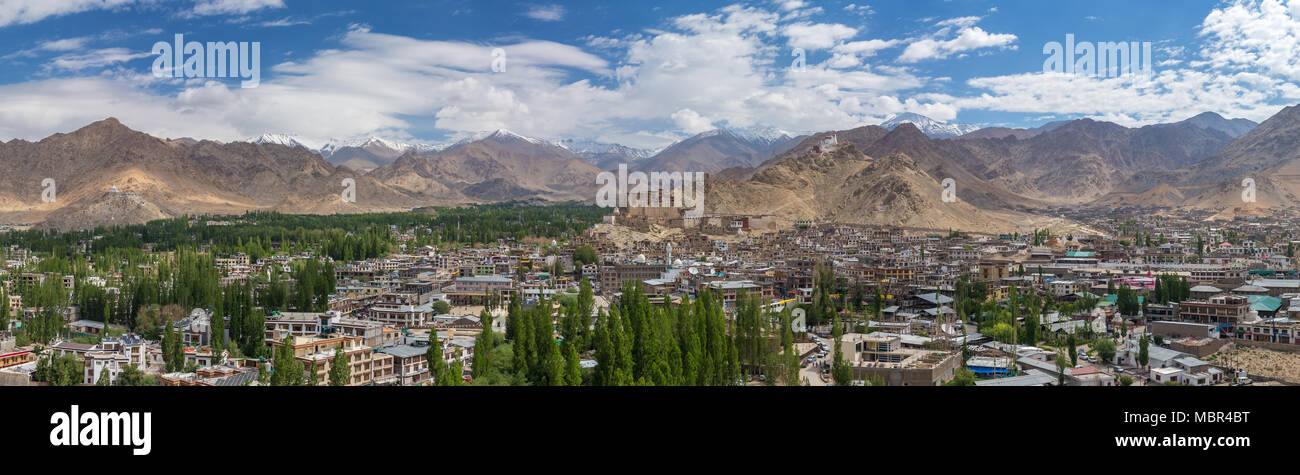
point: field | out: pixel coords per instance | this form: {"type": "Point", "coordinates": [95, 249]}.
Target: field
{"type": "Point", "coordinates": [1259, 361]}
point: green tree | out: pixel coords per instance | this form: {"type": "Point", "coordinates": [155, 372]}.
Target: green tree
{"type": "Point", "coordinates": [288, 370]}
{"type": "Point", "coordinates": [433, 357]}
{"type": "Point", "coordinates": [1105, 349]}
{"type": "Point", "coordinates": [1074, 351]}
{"type": "Point", "coordinates": [1143, 356]}
{"type": "Point", "coordinates": [483, 346]}
{"type": "Point", "coordinates": [584, 254]}
{"type": "Point", "coordinates": [132, 376]}
{"type": "Point", "coordinates": [441, 307]}
{"type": "Point", "coordinates": [4, 311]}
{"type": "Point", "coordinates": [1060, 367]}
{"type": "Point", "coordinates": [340, 370]}
{"type": "Point", "coordinates": [573, 368]}
{"type": "Point", "coordinates": [963, 377]}
{"type": "Point", "coordinates": [64, 370]}
{"type": "Point", "coordinates": [452, 373]}
{"type": "Point", "coordinates": [841, 372]}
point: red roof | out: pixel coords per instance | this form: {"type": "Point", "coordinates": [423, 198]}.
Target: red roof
{"type": "Point", "coordinates": [15, 353]}
{"type": "Point", "coordinates": [1084, 370]}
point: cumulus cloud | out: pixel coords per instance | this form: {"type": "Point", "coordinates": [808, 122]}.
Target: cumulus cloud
{"type": "Point", "coordinates": [1247, 68]}
{"type": "Point", "coordinates": [1254, 35]}
{"type": "Point", "coordinates": [817, 35]}
{"type": "Point", "coordinates": [691, 122]}
{"type": "Point", "coordinates": [956, 35]}
{"type": "Point", "coordinates": [729, 66]}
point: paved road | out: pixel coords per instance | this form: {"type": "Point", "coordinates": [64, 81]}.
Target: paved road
{"type": "Point", "coordinates": [811, 375]}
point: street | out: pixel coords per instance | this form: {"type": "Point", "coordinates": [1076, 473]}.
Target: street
{"type": "Point", "coordinates": [810, 374]}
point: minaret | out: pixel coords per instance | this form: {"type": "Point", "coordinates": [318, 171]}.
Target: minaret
{"type": "Point", "coordinates": [669, 260]}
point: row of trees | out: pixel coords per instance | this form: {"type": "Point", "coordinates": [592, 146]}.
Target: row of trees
{"type": "Point", "coordinates": [1170, 288]}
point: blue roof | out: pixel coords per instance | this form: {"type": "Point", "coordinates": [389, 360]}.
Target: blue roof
{"type": "Point", "coordinates": [1264, 303]}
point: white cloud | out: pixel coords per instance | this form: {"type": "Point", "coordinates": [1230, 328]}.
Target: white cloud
{"type": "Point", "coordinates": [865, 48]}
{"type": "Point", "coordinates": [787, 5]}
{"type": "Point", "coordinates": [859, 9]}
{"type": "Point", "coordinates": [1248, 68]}
{"type": "Point", "coordinates": [1170, 95]}
{"type": "Point", "coordinates": [967, 39]}
{"type": "Point", "coordinates": [545, 12]}
{"type": "Point", "coordinates": [96, 59]}
{"type": "Point", "coordinates": [960, 22]}
{"type": "Point", "coordinates": [727, 66]}
{"type": "Point", "coordinates": [31, 11]}
{"type": "Point", "coordinates": [1260, 35]}
{"type": "Point", "coordinates": [691, 122]}
{"type": "Point", "coordinates": [66, 44]}
{"type": "Point", "coordinates": [817, 35]}
{"type": "Point", "coordinates": [233, 7]}
{"type": "Point", "coordinates": [77, 43]}
{"type": "Point", "coordinates": [283, 22]}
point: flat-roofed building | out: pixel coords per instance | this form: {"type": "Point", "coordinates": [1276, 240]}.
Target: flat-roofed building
{"type": "Point", "coordinates": [874, 356]}
{"type": "Point", "coordinates": [402, 316]}
{"type": "Point", "coordinates": [296, 324]}
{"type": "Point", "coordinates": [731, 289]}
{"type": "Point", "coordinates": [14, 358]}
{"type": "Point", "coordinates": [1223, 311]}
{"type": "Point", "coordinates": [103, 363]}
{"type": "Point", "coordinates": [474, 290]}
{"type": "Point", "coordinates": [1174, 330]}
{"type": "Point", "coordinates": [613, 277]}
{"type": "Point", "coordinates": [410, 368]}
{"type": "Point", "coordinates": [322, 351]}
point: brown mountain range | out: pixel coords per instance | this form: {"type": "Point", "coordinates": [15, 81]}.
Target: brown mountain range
{"type": "Point", "coordinates": [107, 173]}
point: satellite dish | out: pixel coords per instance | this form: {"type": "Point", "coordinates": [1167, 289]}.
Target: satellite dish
{"type": "Point", "coordinates": [693, 270]}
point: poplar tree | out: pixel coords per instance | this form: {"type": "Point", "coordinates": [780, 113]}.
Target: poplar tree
{"type": "Point", "coordinates": [4, 311]}
{"type": "Point", "coordinates": [433, 356]}
{"type": "Point", "coordinates": [573, 368]}
{"type": "Point", "coordinates": [483, 345]}
{"type": "Point", "coordinates": [340, 371]}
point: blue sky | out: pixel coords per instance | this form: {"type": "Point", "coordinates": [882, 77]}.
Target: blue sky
{"type": "Point", "coordinates": [639, 73]}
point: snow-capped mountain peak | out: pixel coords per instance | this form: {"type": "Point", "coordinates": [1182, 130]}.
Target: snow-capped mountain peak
{"type": "Point", "coordinates": [277, 139]}
{"type": "Point", "coordinates": [372, 142]}
{"type": "Point", "coordinates": [586, 147]}
{"type": "Point", "coordinates": [761, 135]}
{"type": "Point", "coordinates": [930, 127]}
{"type": "Point", "coordinates": [503, 134]}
